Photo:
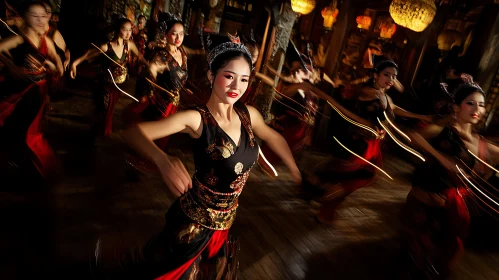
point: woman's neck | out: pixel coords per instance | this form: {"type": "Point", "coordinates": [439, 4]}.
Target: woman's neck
{"type": "Point", "coordinates": [172, 48]}
{"type": "Point", "coordinates": [464, 129]}
{"type": "Point", "coordinates": [219, 109]}
{"type": "Point", "coordinates": [31, 34]}
{"type": "Point", "coordinates": [119, 41]}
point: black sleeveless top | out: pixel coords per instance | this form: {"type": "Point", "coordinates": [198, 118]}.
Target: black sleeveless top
{"type": "Point", "coordinates": [222, 169]}
{"type": "Point", "coordinates": [174, 78]}
{"type": "Point", "coordinates": [431, 175]}
{"type": "Point", "coordinates": [120, 74]}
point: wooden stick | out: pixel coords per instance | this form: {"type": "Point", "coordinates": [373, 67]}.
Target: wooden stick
{"type": "Point", "coordinates": [157, 86]}
{"type": "Point", "coordinates": [8, 27]}
{"type": "Point", "coordinates": [108, 56]}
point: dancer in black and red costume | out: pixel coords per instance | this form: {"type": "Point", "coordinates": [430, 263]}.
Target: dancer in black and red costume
{"type": "Point", "coordinates": [24, 95]}
{"type": "Point", "coordinates": [195, 241]}
{"type": "Point", "coordinates": [333, 180]}
{"type": "Point", "coordinates": [106, 95]}
{"type": "Point", "coordinates": [450, 187]}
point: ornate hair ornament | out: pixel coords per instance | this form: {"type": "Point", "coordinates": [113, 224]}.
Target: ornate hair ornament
{"type": "Point", "coordinates": [234, 38]}
{"type": "Point", "coordinates": [467, 83]}
{"type": "Point", "coordinates": [309, 53]}
{"type": "Point", "coordinates": [252, 36]}
{"type": "Point", "coordinates": [171, 17]}
{"type": "Point", "coordinates": [226, 47]}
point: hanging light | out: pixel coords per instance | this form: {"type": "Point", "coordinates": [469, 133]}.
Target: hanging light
{"type": "Point", "coordinates": [302, 7]}
{"type": "Point", "coordinates": [329, 13]}
{"type": "Point", "coordinates": [363, 22]}
{"type": "Point", "coordinates": [387, 30]}
{"type": "Point", "coordinates": [413, 14]}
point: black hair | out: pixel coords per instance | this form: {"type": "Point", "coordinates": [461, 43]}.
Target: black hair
{"type": "Point", "coordinates": [141, 16]}
{"type": "Point", "coordinates": [28, 4]}
{"type": "Point", "coordinates": [223, 59]}
{"type": "Point", "coordinates": [167, 21]}
{"type": "Point", "coordinates": [464, 90]}
{"type": "Point", "coordinates": [381, 63]}
{"type": "Point", "coordinates": [118, 24]}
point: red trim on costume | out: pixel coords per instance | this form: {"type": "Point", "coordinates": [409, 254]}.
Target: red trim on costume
{"type": "Point", "coordinates": [216, 242]}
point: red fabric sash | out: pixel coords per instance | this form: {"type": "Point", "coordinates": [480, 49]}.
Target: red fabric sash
{"type": "Point", "coordinates": [216, 242]}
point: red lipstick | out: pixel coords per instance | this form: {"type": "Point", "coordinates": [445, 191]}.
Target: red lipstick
{"type": "Point", "coordinates": [232, 94]}
{"type": "Point", "coordinates": [475, 116]}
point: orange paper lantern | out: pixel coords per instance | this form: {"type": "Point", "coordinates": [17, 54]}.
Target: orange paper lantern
{"type": "Point", "coordinates": [363, 22]}
{"type": "Point", "coordinates": [329, 14]}
{"type": "Point", "coordinates": [387, 30]}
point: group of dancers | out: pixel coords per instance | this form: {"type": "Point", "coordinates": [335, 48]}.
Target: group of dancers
{"type": "Point", "coordinates": [230, 137]}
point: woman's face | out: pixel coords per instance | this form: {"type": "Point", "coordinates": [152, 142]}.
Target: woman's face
{"type": "Point", "coordinates": [231, 81]}
{"type": "Point", "coordinates": [126, 31]}
{"type": "Point", "coordinates": [142, 23]}
{"type": "Point", "coordinates": [175, 35]}
{"type": "Point", "coordinates": [48, 9]}
{"type": "Point", "coordinates": [471, 109]}
{"type": "Point", "coordinates": [37, 19]}
{"type": "Point", "coordinates": [254, 55]}
{"type": "Point", "coordinates": [386, 77]}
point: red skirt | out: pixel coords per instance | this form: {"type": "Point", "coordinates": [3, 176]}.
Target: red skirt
{"type": "Point", "coordinates": [21, 115]}
{"type": "Point", "coordinates": [434, 228]}
{"type": "Point", "coordinates": [296, 132]}
{"type": "Point", "coordinates": [332, 180]}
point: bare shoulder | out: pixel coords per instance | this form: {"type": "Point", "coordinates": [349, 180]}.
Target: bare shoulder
{"type": "Point", "coordinates": [192, 121]}
{"type": "Point", "coordinates": [255, 115]}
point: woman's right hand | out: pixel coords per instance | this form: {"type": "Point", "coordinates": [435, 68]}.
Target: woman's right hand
{"type": "Point", "coordinates": [175, 175]}
{"type": "Point", "coordinates": [72, 73]}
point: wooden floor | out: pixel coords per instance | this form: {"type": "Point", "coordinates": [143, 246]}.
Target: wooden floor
{"type": "Point", "coordinates": [52, 231]}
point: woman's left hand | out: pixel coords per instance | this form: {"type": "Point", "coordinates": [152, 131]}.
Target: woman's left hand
{"type": "Point", "coordinates": [296, 174]}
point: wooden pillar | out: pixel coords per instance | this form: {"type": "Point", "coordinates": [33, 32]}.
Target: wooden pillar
{"type": "Point", "coordinates": [276, 49]}
{"type": "Point", "coordinates": [215, 17]}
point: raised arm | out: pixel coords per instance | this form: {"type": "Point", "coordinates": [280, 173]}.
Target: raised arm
{"type": "Point", "coordinates": [54, 58]}
{"type": "Point", "coordinates": [191, 52]}
{"type": "Point", "coordinates": [59, 42]}
{"type": "Point", "coordinates": [136, 52]}
{"type": "Point", "coordinates": [336, 104]}
{"type": "Point", "coordinates": [275, 141]}
{"type": "Point", "coordinates": [91, 53]}
{"type": "Point", "coordinates": [141, 136]}
{"type": "Point", "coordinates": [420, 142]}
{"type": "Point", "coordinates": [288, 79]}
{"type": "Point", "coordinates": [403, 113]}
{"type": "Point", "coordinates": [494, 153]}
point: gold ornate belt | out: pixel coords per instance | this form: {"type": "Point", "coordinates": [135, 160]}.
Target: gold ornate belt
{"type": "Point", "coordinates": [213, 210]}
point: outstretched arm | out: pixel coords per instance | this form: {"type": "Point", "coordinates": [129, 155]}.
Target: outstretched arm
{"type": "Point", "coordinates": [275, 141]}
{"type": "Point", "coordinates": [336, 104]}
{"type": "Point", "coordinates": [136, 52]}
{"type": "Point", "coordinates": [141, 136]}
{"type": "Point", "coordinates": [403, 113]}
{"type": "Point", "coordinates": [420, 142]}
{"type": "Point", "coordinates": [191, 52]}
{"type": "Point", "coordinates": [91, 53]}
{"type": "Point", "coordinates": [54, 57]}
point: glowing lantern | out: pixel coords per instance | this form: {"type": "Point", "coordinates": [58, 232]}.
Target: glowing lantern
{"type": "Point", "coordinates": [413, 14]}
{"type": "Point", "coordinates": [302, 7]}
{"type": "Point", "coordinates": [387, 30]}
{"type": "Point", "coordinates": [329, 14]}
{"type": "Point", "coordinates": [363, 22]}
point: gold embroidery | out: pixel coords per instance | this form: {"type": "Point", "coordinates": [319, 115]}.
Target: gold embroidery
{"type": "Point", "coordinates": [189, 233]}
{"type": "Point", "coordinates": [226, 150]}
{"type": "Point", "coordinates": [238, 168]}
{"type": "Point", "coordinates": [239, 183]}
{"type": "Point", "coordinates": [211, 209]}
